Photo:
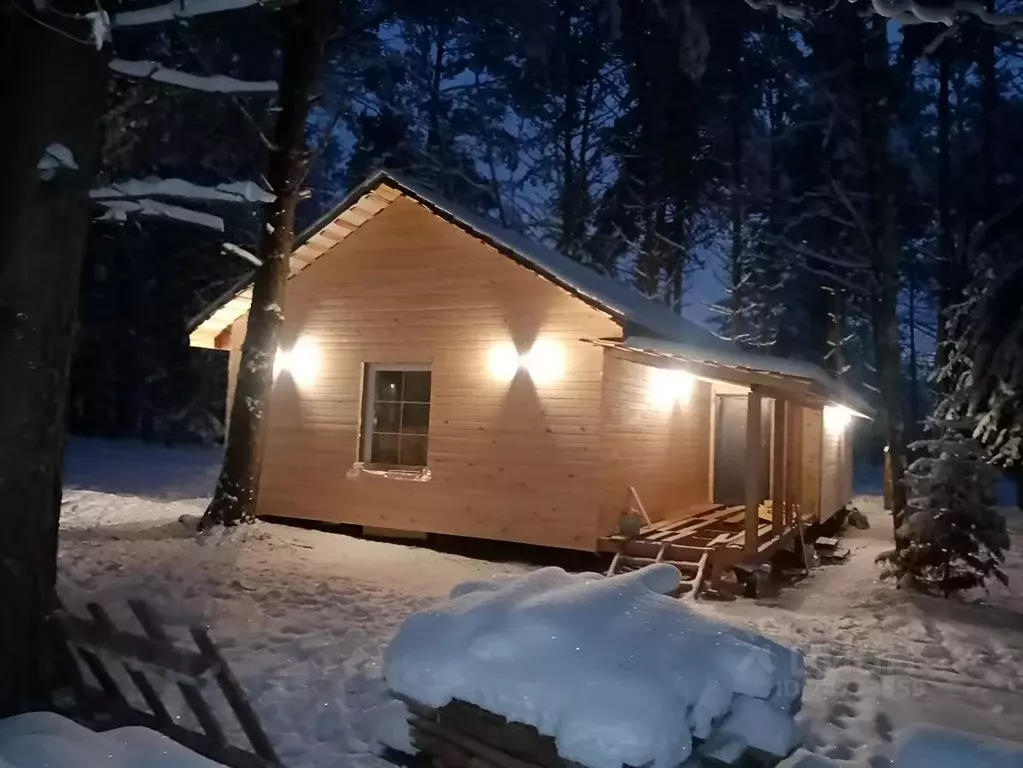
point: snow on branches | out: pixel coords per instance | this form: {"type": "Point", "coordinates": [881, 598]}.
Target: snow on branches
{"type": "Point", "coordinates": [984, 371]}
{"type": "Point", "coordinates": [228, 192]}
{"type": "Point", "coordinates": [151, 70]}
{"type": "Point", "coordinates": [955, 537]}
{"type": "Point", "coordinates": [135, 196]}
{"type": "Point", "coordinates": [947, 12]}
{"type": "Point", "coordinates": [178, 9]}
{"type": "Point", "coordinates": [55, 157]}
{"type": "Point", "coordinates": [118, 210]}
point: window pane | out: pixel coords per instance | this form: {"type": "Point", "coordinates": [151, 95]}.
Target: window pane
{"type": "Point", "coordinates": [387, 417]}
{"type": "Point", "coordinates": [413, 450]}
{"type": "Point", "coordinates": [388, 385]}
{"type": "Point", "coordinates": [415, 418]}
{"type": "Point", "coordinates": [385, 450]}
{"type": "Point", "coordinates": [417, 387]}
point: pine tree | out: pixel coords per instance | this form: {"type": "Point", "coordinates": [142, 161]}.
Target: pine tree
{"type": "Point", "coordinates": [955, 538]}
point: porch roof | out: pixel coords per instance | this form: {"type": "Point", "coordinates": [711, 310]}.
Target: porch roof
{"type": "Point", "coordinates": [752, 369]}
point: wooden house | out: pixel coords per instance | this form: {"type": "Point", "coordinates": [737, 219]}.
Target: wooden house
{"type": "Point", "coordinates": [440, 374]}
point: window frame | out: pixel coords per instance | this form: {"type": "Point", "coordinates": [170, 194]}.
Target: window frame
{"type": "Point", "coordinates": [369, 400]}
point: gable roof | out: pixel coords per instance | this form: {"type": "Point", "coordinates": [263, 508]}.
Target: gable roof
{"type": "Point", "coordinates": [643, 319]}
{"type": "Point", "coordinates": [623, 303]}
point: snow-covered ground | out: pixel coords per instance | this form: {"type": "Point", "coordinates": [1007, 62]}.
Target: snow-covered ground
{"type": "Point", "coordinates": [303, 616]}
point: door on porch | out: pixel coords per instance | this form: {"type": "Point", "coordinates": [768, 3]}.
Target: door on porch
{"type": "Point", "coordinates": [730, 449]}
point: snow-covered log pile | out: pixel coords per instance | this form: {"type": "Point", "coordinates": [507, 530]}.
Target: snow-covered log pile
{"type": "Point", "coordinates": [611, 668]}
{"type": "Point", "coordinates": [47, 739]}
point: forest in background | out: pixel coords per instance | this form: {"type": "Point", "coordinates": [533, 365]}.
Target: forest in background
{"type": "Point", "coordinates": [650, 140]}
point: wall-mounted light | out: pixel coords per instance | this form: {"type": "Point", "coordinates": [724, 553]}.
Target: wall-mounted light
{"type": "Point", "coordinates": [544, 362]}
{"type": "Point", "coordinates": [503, 361]}
{"type": "Point", "coordinates": [836, 417]}
{"type": "Point", "coordinates": [301, 362]}
{"type": "Point", "coordinates": [669, 386]}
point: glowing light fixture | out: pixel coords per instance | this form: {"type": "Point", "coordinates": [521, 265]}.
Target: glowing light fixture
{"type": "Point", "coordinates": [669, 386]}
{"type": "Point", "coordinates": [836, 417]}
{"type": "Point", "coordinates": [503, 361]}
{"type": "Point", "coordinates": [544, 362]}
{"type": "Point", "coordinates": [302, 361]}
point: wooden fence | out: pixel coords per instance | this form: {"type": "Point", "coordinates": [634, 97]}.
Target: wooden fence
{"type": "Point", "coordinates": [100, 647]}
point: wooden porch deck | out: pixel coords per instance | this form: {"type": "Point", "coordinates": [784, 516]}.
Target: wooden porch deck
{"type": "Point", "coordinates": [710, 537]}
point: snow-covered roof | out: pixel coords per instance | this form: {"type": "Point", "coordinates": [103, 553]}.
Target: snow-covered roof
{"type": "Point", "coordinates": [617, 299]}
{"type": "Point", "coordinates": [740, 359]}
{"type": "Point", "coordinates": [642, 319]}
{"type": "Point", "coordinates": [625, 304]}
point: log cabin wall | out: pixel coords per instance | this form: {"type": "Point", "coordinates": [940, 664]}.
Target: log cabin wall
{"type": "Point", "coordinates": [836, 469]}
{"type": "Point", "coordinates": [514, 460]}
{"type": "Point", "coordinates": [812, 442]}
{"type": "Point", "coordinates": [659, 446]}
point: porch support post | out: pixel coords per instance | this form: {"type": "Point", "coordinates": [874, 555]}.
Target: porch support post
{"type": "Point", "coordinates": [793, 463]}
{"type": "Point", "coordinates": [754, 467]}
{"type": "Point", "coordinates": [779, 482]}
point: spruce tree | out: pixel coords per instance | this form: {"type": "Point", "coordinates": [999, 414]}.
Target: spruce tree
{"type": "Point", "coordinates": [955, 538]}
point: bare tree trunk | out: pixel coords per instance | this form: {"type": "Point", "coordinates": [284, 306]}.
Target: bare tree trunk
{"type": "Point", "coordinates": [737, 255]}
{"type": "Point", "coordinates": [53, 93]}
{"type": "Point", "coordinates": [837, 332]}
{"type": "Point", "coordinates": [914, 367]}
{"type": "Point", "coordinates": [570, 209]}
{"type": "Point", "coordinates": [946, 239]}
{"type": "Point", "coordinates": [885, 254]}
{"type": "Point", "coordinates": [238, 486]}
{"type": "Point", "coordinates": [989, 102]}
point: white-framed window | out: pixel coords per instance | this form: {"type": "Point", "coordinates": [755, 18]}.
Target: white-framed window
{"type": "Point", "coordinates": [396, 419]}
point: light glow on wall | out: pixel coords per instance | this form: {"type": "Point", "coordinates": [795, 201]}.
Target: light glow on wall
{"type": "Point", "coordinates": [836, 417]}
{"type": "Point", "coordinates": [544, 362]}
{"type": "Point", "coordinates": [503, 361]}
{"type": "Point", "coordinates": [301, 362]}
{"type": "Point", "coordinates": [669, 386]}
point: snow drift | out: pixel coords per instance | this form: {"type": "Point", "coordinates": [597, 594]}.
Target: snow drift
{"type": "Point", "coordinates": [616, 671]}
{"type": "Point", "coordinates": [47, 739]}
{"type": "Point", "coordinates": [929, 746]}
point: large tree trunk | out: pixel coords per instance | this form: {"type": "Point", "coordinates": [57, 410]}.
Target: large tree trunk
{"type": "Point", "coordinates": [912, 276]}
{"type": "Point", "coordinates": [237, 488]}
{"type": "Point", "coordinates": [875, 106]}
{"type": "Point", "coordinates": [989, 103]}
{"type": "Point", "coordinates": [53, 92]}
{"type": "Point", "coordinates": [946, 238]}
{"type": "Point", "coordinates": [737, 256]}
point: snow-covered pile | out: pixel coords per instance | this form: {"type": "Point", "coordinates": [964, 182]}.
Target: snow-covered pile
{"type": "Point", "coordinates": [45, 739]}
{"type": "Point", "coordinates": [928, 746]}
{"type": "Point", "coordinates": [616, 671]}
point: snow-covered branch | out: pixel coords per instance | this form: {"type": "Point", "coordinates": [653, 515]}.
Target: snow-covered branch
{"type": "Point", "coordinates": [241, 253]}
{"type": "Point", "coordinates": [229, 192]}
{"type": "Point", "coordinates": [785, 10]}
{"type": "Point", "coordinates": [55, 157]}
{"type": "Point", "coordinates": [177, 9]}
{"type": "Point", "coordinates": [118, 210]}
{"type": "Point", "coordinates": [151, 70]}
{"type": "Point", "coordinates": [947, 12]}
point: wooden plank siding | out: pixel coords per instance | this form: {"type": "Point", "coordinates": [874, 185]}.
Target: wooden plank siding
{"type": "Point", "coordinates": [663, 452]}
{"type": "Point", "coordinates": [836, 470]}
{"type": "Point", "coordinates": [542, 463]}
{"type": "Point", "coordinates": [810, 496]}
{"type": "Point", "coordinates": [512, 461]}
